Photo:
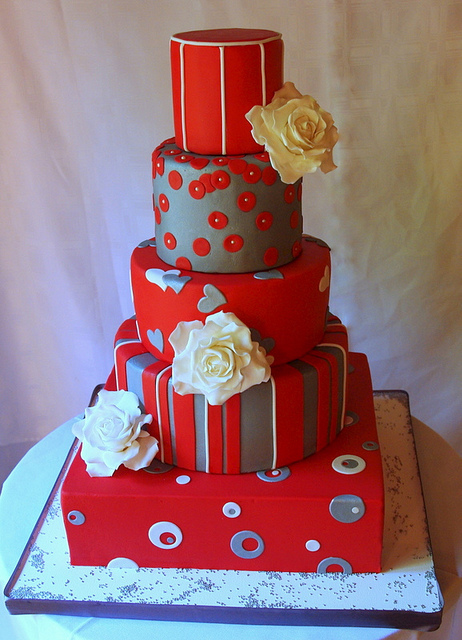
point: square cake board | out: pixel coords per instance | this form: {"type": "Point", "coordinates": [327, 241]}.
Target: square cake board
{"type": "Point", "coordinates": [404, 595]}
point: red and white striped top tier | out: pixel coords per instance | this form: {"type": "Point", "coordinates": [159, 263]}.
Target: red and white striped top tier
{"type": "Point", "coordinates": [217, 77]}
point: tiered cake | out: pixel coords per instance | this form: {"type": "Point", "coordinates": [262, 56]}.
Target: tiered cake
{"type": "Point", "coordinates": [232, 373]}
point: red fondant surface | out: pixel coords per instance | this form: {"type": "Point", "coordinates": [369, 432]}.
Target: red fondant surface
{"type": "Point", "coordinates": [120, 511]}
{"type": "Point", "coordinates": [291, 310]}
{"type": "Point", "coordinates": [216, 79]}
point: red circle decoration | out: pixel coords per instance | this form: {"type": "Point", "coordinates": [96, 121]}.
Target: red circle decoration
{"type": "Point", "coordinates": [199, 163]}
{"type": "Point", "coordinates": [206, 179]}
{"type": "Point", "coordinates": [270, 257]}
{"type": "Point", "coordinates": [252, 174]}
{"type": "Point", "coordinates": [169, 240]}
{"type": "Point", "coordinates": [294, 218]}
{"type": "Point", "coordinates": [175, 180]}
{"type": "Point", "coordinates": [269, 176]}
{"type": "Point", "coordinates": [246, 201]}
{"type": "Point", "coordinates": [296, 248]}
{"type": "Point", "coordinates": [289, 193]}
{"type": "Point", "coordinates": [220, 179]}
{"type": "Point", "coordinates": [172, 152]}
{"type": "Point", "coordinates": [219, 162]}
{"type": "Point", "coordinates": [158, 166]}
{"type": "Point", "coordinates": [183, 158]}
{"type": "Point", "coordinates": [264, 220]}
{"type": "Point", "coordinates": [196, 189]}
{"type": "Point", "coordinates": [233, 243]}
{"type": "Point", "coordinates": [237, 166]}
{"type": "Point", "coordinates": [157, 215]}
{"type": "Point", "coordinates": [201, 246]}
{"type": "Point", "coordinates": [263, 156]}
{"type": "Point", "coordinates": [183, 263]}
{"type": "Point", "coordinates": [164, 204]}
{"type": "Point", "coordinates": [217, 220]}
{"type": "Point", "coordinates": [299, 191]}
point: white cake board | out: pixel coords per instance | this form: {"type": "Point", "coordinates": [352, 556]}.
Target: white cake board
{"type": "Point", "coordinates": [404, 595]}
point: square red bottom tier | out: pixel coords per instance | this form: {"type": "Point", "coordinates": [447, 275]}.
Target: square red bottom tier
{"type": "Point", "coordinates": [324, 513]}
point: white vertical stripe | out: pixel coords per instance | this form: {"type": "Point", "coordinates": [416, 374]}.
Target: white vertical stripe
{"type": "Point", "coordinates": [182, 93]}
{"type": "Point", "coordinates": [275, 446]}
{"type": "Point", "coordinates": [263, 75]}
{"type": "Point", "coordinates": [223, 98]}
{"type": "Point", "coordinates": [159, 415]}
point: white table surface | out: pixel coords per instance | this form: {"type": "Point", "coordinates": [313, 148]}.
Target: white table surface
{"type": "Point", "coordinates": [27, 488]}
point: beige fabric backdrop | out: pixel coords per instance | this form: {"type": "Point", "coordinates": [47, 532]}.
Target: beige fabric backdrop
{"type": "Point", "coordinates": [85, 97]}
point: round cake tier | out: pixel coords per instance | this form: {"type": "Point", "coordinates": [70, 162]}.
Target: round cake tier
{"type": "Point", "coordinates": [286, 308]}
{"type": "Point", "coordinates": [296, 413]}
{"type": "Point", "coordinates": [219, 214]}
{"type": "Point", "coordinates": [217, 77]}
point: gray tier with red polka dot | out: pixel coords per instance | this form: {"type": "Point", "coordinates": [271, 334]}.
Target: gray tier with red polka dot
{"type": "Point", "coordinates": [223, 214]}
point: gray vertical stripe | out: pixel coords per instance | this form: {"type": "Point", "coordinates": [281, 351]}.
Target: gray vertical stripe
{"type": "Point", "coordinates": [171, 418]}
{"type": "Point", "coordinates": [135, 367]}
{"type": "Point", "coordinates": [257, 428]}
{"type": "Point", "coordinates": [199, 422]}
{"type": "Point", "coordinates": [310, 405]}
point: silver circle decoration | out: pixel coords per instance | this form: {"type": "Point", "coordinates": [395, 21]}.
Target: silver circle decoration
{"type": "Point", "coordinates": [75, 517]}
{"type": "Point", "coordinates": [183, 479]}
{"type": "Point", "coordinates": [370, 445]}
{"type": "Point", "coordinates": [347, 508]}
{"type": "Point", "coordinates": [122, 563]}
{"type": "Point", "coordinates": [312, 545]}
{"type": "Point", "coordinates": [157, 466]}
{"type": "Point", "coordinates": [237, 545]}
{"type": "Point", "coordinates": [348, 464]}
{"type": "Point", "coordinates": [328, 562]}
{"type": "Point", "coordinates": [231, 510]}
{"type": "Point", "coordinates": [351, 418]}
{"type": "Point", "coordinates": [274, 475]}
{"type": "Point", "coordinates": [165, 535]}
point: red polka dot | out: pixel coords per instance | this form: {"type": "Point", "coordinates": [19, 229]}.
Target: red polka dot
{"type": "Point", "coordinates": [269, 176]}
{"type": "Point", "coordinates": [201, 246]}
{"type": "Point", "coordinates": [196, 189]}
{"type": "Point", "coordinates": [233, 243]}
{"type": "Point", "coordinates": [264, 220]}
{"type": "Point", "coordinates": [294, 218]}
{"type": "Point", "coordinates": [183, 263]}
{"type": "Point", "coordinates": [289, 193]}
{"type": "Point", "coordinates": [271, 256]}
{"type": "Point", "coordinates": [220, 162]}
{"type": "Point", "coordinates": [169, 240]}
{"type": "Point", "coordinates": [206, 179]}
{"type": "Point", "coordinates": [164, 204]}
{"type": "Point", "coordinates": [183, 158]}
{"type": "Point", "coordinates": [263, 156]}
{"type": "Point", "coordinates": [299, 190]}
{"type": "Point", "coordinates": [157, 216]}
{"type": "Point", "coordinates": [296, 248]}
{"type": "Point", "coordinates": [160, 165]}
{"type": "Point", "coordinates": [172, 152]}
{"type": "Point", "coordinates": [252, 174]}
{"type": "Point", "coordinates": [199, 163]}
{"type": "Point", "coordinates": [220, 179]}
{"type": "Point", "coordinates": [217, 220]}
{"type": "Point", "coordinates": [175, 180]}
{"type": "Point", "coordinates": [246, 201]}
{"type": "Point", "coordinates": [237, 165]}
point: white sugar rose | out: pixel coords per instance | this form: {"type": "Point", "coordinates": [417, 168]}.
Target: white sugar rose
{"type": "Point", "coordinates": [298, 135]}
{"type": "Point", "coordinates": [218, 359]}
{"type": "Point", "coordinates": [112, 434]}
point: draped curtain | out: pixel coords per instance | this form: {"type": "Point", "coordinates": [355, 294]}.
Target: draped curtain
{"type": "Point", "coordinates": [85, 98]}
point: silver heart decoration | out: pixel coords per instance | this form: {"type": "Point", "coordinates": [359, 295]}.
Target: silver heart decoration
{"type": "Point", "coordinates": [156, 338]}
{"type": "Point", "coordinates": [212, 299]}
{"type": "Point", "coordinates": [266, 343]}
{"type": "Point", "coordinates": [175, 281]}
{"type": "Point", "coordinates": [272, 274]}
